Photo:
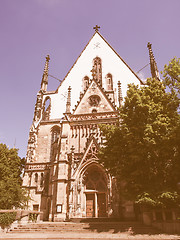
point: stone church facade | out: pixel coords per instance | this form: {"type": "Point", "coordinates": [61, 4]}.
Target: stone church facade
{"type": "Point", "coordinates": [63, 176]}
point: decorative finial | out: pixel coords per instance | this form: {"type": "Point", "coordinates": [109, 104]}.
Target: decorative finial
{"type": "Point", "coordinates": [68, 104]}
{"type": "Point", "coordinates": [120, 98]}
{"type": "Point", "coordinates": [153, 64]}
{"type": "Point", "coordinates": [96, 28]}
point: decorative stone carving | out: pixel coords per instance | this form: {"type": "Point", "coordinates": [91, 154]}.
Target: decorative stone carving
{"type": "Point", "coordinates": [31, 144]}
{"type": "Point", "coordinates": [36, 167]}
{"type": "Point", "coordinates": [94, 100]}
{"type": "Point", "coordinates": [38, 107]}
{"type": "Point", "coordinates": [30, 154]}
{"type": "Point", "coordinates": [97, 116]}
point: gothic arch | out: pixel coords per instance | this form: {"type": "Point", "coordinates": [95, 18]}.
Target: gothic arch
{"type": "Point", "coordinates": [46, 108]}
{"type": "Point", "coordinates": [90, 164]}
{"type": "Point", "coordinates": [94, 178]}
{"type": "Point", "coordinates": [55, 135]}
{"type": "Point", "coordinates": [93, 183]}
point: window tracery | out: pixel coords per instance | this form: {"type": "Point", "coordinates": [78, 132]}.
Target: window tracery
{"type": "Point", "coordinates": [94, 179]}
{"type": "Point", "coordinates": [97, 66]}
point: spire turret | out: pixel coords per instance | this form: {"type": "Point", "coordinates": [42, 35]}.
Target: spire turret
{"type": "Point", "coordinates": [153, 64]}
{"type": "Point", "coordinates": [44, 81]}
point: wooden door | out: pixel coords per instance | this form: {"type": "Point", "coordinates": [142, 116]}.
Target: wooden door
{"type": "Point", "coordinates": [101, 205]}
{"type": "Point", "coordinates": [90, 205]}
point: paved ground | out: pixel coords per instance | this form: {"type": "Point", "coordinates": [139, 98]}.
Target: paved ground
{"type": "Point", "coordinates": [85, 236]}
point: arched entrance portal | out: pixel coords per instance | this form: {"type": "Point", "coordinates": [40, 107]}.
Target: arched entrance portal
{"type": "Point", "coordinates": [95, 189]}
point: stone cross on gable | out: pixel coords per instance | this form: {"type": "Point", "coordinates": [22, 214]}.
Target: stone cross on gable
{"type": "Point", "coordinates": [96, 28]}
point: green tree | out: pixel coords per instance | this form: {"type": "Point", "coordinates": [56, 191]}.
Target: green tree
{"type": "Point", "coordinates": [171, 75]}
{"type": "Point", "coordinates": [140, 151]}
{"type": "Point", "coordinates": [11, 192]}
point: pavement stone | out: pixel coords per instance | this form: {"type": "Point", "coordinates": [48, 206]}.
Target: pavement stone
{"type": "Point", "coordinates": [85, 236]}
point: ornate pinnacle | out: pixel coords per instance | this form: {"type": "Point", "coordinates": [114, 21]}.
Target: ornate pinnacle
{"type": "Point", "coordinates": [120, 98]}
{"type": "Point", "coordinates": [68, 103]}
{"type": "Point", "coordinates": [44, 81]}
{"type": "Point", "coordinates": [153, 64]}
{"type": "Point", "coordinates": [46, 68]}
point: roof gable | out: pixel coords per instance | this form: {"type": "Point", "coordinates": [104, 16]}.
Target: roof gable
{"type": "Point", "coordinates": [96, 32]}
{"type": "Point", "coordinates": [94, 99]}
{"type": "Point", "coordinates": [111, 63]}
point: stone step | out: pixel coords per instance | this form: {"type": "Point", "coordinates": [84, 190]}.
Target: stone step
{"type": "Point", "coordinates": [113, 227]}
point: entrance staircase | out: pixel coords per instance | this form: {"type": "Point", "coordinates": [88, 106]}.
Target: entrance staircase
{"type": "Point", "coordinates": [86, 226]}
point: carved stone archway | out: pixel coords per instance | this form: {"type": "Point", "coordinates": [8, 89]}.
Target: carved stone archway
{"type": "Point", "coordinates": [95, 183]}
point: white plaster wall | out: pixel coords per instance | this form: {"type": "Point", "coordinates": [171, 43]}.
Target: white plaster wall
{"type": "Point", "coordinates": [111, 63]}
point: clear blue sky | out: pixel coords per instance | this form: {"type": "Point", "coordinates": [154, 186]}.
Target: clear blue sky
{"type": "Point", "coordinates": [31, 29]}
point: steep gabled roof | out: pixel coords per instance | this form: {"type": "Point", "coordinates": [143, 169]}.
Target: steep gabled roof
{"type": "Point", "coordinates": [113, 51]}
{"type": "Point", "coordinates": [120, 58]}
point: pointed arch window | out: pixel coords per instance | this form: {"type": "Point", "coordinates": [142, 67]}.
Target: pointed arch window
{"type": "Point", "coordinates": [55, 135]}
{"type": "Point", "coordinates": [109, 82]}
{"type": "Point", "coordinates": [36, 177]}
{"type": "Point", "coordinates": [42, 180]}
{"type": "Point", "coordinates": [85, 82]}
{"type": "Point", "coordinates": [94, 179]}
{"type": "Point", "coordinates": [46, 109]}
{"type": "Point", "coordinates": [97, 66]}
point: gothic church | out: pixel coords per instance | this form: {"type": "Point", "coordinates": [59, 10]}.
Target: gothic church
{"type": "Point", "coordinates": [63, 176]}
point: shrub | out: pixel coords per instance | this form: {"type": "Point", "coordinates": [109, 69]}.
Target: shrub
{"type": "Point", "coordinates": [145, 200]}
{"type": "Point", "coordinates": [6, 219]}
{"type": "Point", "coordinates": [33, 217]}
{"type": "Point", "coordinates": [169, 199]}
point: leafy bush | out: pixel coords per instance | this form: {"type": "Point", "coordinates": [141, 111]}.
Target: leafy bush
{"type": "Point", "coordinates": [145, 200]}
{"type": "Point", "coordinates": [6, 219]}
{"type": "Point", "coordinates": [33, 217]}
{"type": "Point", "coordinates": [162, 200]}
{"type": "Point", "coordinates": [169, 199]}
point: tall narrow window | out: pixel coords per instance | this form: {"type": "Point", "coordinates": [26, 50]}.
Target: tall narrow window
{"type": "Point", "coordinates": [36, 178]}
{"type": "Point", "coordinates": [46, 109]}
{"type": "Point", "coordinates": [97, 65]}
{"type": "Point", "coordinates": [42, 180]}
{"type": "Point", "coordinates": [85, 82]}
{"type": "Point", "coordinates": [109, 82]}
{"type": "Point", "coordinates": [55, 135]}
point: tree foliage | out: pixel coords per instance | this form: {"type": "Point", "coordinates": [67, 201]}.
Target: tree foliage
{"type": "Point", "coordinates": [142, 151]}
{"type": "Point", "coordinates": [11, 192]}
{"type": "Point", "coordinates": [6, 219]}
{"type": "Point", "coordinates": [171, 75]}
